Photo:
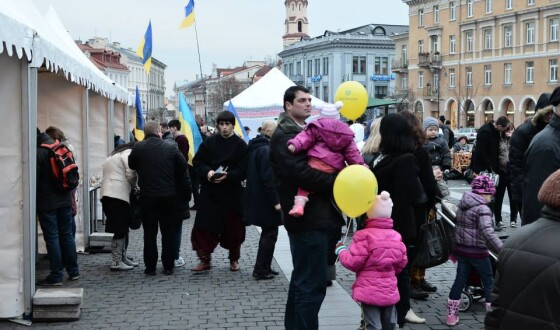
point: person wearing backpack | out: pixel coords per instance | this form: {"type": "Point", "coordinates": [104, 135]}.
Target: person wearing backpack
{"type": "Point", "coordinates": [54, 210]}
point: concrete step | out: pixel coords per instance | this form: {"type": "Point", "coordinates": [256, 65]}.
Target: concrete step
{"type": "Point", "coordinates": [58, 296]}
{"type": "Point", "coordinates": [100, 239]}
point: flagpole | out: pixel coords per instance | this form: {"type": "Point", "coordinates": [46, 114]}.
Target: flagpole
{"type": "Point", "coordinates": [201, 77]}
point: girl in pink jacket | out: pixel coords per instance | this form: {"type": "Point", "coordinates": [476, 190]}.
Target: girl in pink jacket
{"type": "Point", "coordinates": [376, 254]}
{"type": "Point", "coordinates": [330, 147]}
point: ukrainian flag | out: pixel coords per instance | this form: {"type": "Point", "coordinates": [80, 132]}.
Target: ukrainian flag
{"type": "Point", "coordinates": [189, 127]}
{"type": "Point", "coordinates": [238, 129]}
{"type": "Point", "coordinates": [189, 15]}
{"type": "Point", "coordinates": [145, 49]}
{"type": "Point", "coordinates": [139, 128]}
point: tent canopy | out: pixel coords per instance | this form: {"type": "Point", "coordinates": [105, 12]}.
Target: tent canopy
{"type": "Point", "coordinates": [373, 102]}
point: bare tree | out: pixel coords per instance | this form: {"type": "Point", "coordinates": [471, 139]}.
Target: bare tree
{"type": "Point", "coordinates": [223, 90]}
{"type": "Point", "coordinates": [160, 115]}
{"type": "Point", "coordinates": [464, 95]}
{"type": "Point", "coordinates": [404, 97]}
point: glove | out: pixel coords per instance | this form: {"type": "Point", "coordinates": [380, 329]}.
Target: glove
{"type": "Point", "coordinates": [339, 247]}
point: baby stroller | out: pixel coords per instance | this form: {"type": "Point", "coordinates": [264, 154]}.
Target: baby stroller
{"type": "Point", "coordinates": [473, 291]}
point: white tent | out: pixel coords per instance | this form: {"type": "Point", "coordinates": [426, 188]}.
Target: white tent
{"type": "Point", "coordinates": [264, 99]}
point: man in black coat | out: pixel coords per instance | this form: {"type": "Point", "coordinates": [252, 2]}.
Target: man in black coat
{"type": "Point", "coordinates": [309, 234]}
{"type": "Point", "coordinates": [519, 143]}
{"type": "Point", "coordinates": [541, 159]}
{"type": "Point", "coordinates": [160, 167]}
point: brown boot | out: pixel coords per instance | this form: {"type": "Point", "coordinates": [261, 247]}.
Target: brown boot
{"type": "Point", "coordinates": [204, 262]}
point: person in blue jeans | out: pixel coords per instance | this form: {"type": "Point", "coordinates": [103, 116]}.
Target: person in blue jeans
{"type": "Point", "coordinates": [54, 209]}
{"type": "Point", "coordinates": [474, 233]}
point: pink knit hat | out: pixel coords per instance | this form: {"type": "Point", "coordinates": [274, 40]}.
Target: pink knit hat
{"type": "Point", "coordinates": [331, 110]}
{"type": "Point", "coordinates": [383, 206]}
{"type": "Point", "coordinates": [483, 185]}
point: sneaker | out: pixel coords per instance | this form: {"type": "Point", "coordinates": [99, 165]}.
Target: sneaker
{"type": "Point", "coordinates": [488, 307]}
{"type": "Point", "coordinates": [452, 320]}
{"type": "Point", "coordinates": [501, 224]}
{"type": "Point", "coordinates": [48, 282]}
{"type": "Point", "coordinates": [74, 277]}
{"type": "Point", "coordinates": [411, 317]}
{"type": "Point", "coordinates": [179, 262]}
{"type": "Point", "coordinates": [513, 225]}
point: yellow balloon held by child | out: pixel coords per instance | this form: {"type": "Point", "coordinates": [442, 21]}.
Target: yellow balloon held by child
{"type": "Point", "coordinates": [355, 190]}
{"type": "Point", "coordinates": [354, 96]}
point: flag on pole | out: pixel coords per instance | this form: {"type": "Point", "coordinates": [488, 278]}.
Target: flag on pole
{"type": "Point", "coordinates": [189, 127]}
{"type": "Point", "coordinates": [145, 49]}
{"type": "Point", "coordinates": [238, 129]}
{"type": "Point", "coordinates": [139, 127]}
{"type": "Point", "coordinates": [189, 15]}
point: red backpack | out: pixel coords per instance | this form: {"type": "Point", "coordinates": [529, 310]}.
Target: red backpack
{"type": "Point", "coordinates": [63, 166]}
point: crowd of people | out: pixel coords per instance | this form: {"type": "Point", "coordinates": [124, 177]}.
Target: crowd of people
{"type": "Point", "coordinates": [285, 176]}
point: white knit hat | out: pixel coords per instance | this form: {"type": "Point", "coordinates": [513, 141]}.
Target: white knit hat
{"type": "Point", "coordinates": [331, 110]}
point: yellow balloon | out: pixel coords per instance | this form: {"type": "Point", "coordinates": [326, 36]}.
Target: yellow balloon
{"type": "Point", "coordinates": [355, 190]}
{"type": "Point", "coordinates": [354, 98]}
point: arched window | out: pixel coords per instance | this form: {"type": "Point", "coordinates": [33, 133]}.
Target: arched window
{"type": "Point", "coordinates": [299, 27]}
{"type": "Point", "coordinates": [379, 31]}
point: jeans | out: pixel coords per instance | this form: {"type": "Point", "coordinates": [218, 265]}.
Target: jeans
{"type": "Point", "coordinates": [61, 247]}
{"type": "Point", "coordinates": [308, 284]}
{"type": "Point", "coordinates": [267, 243]}
{"type": "Point", "coordinates": [379, 318]}
{"type": "Point", "coordinates": [158, 211]}
{"type": "Point", "coordinates": [484, 269]}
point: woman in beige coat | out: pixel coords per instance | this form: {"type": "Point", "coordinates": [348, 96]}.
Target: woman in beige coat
{"type": "Point", "coordinates": [118, 179]}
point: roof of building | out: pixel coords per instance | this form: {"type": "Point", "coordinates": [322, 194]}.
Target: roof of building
{"type": "Point", "coordinates": [95, 53]}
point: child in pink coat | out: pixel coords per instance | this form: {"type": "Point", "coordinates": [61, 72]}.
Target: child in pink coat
{"type": "Point", "coordinates": [377, 254]}
{"type": "Point", "coordinates": [330, 147]}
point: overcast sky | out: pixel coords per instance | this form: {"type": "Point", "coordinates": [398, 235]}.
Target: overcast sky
{"type": "Point", "coordinates": [229, 32]}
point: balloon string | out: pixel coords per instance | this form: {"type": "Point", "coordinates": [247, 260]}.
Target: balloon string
{"type": "Point", "coordinates": [350, 225]}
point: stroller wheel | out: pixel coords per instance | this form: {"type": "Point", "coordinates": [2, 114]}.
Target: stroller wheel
{"type": "Point", "coordinates": [466, 301]}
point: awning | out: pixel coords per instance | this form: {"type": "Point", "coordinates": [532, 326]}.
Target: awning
{"type": "Point", "coordinates": [373, 102]}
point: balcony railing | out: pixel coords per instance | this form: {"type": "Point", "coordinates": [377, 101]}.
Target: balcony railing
{"type": "Point", "coordinates": [430, 92]}
{"type": "Point", "coordinates": [399, 65]}
{"type": "Point", "coordinates": [429, 60]}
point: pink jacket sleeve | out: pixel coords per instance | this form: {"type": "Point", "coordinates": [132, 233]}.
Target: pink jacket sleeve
{"type": "Point", "coordinates": [304, 140]}
{"type": "Point", "coordinates": [354, 258]}
{"type": "Point", "coordinates": [352, 155]}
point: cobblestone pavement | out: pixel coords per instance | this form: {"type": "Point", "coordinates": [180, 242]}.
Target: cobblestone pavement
{"type": "Point", "coordinates": [218, 299]}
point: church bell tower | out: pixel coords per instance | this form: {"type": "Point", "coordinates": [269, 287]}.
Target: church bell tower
{"type": "Point", "coordinates": [296, 22]}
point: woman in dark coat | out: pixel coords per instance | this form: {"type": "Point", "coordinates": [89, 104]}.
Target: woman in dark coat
{"type": "Point", "coordinates": [262, 206]}
{"type": "Point", "coordinates": [397, 170]}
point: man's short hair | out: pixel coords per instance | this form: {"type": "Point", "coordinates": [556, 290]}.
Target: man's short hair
{"type": "Point", "coordinates": [503, 121]}
{"type": "Point", "coordinates": [163, 125]}
{"type": "Point", "coordinates": [151, 127]}
{"type": "Point", "coordinates": [448, 122]}
{"type": "Point", "coordinates": [175, 123]}
{"type": "Point", "coordinates": [290, 94]}
{"type": "Point", "coordinates": [442, 118]}
{"type": "Point", "coordinates": [226, 116]}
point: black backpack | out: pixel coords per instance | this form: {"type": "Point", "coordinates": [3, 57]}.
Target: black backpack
{"type": "Point", "coordinates": [63, 166]}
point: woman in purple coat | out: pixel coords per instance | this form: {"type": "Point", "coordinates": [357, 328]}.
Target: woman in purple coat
{"type": "Point", "coordinates": [330, 147]}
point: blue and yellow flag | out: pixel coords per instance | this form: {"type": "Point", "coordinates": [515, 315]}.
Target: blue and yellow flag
{"type": "Point", "coordinates": [139, 127]}
{"type": "Point", "coordinates": [145, 49]}
{"type": "Point", "coordinates": [189, 127]}
{"type": "Point", "coordinates": [238, 129]}
{"type": "Point", "coordinates": [189, 15]}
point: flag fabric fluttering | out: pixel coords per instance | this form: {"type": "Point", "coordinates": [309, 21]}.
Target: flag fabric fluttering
{"type": "Point", "coordinates": [139, 127]}
{"type": "Point", "coordinates": [189, 15]}
{"type": "Point", "coordinates": [189, 127]}
{"type": "Point", "coordinates": [238, 129]}
{"type": "Point", "coordinates": [145, 49]}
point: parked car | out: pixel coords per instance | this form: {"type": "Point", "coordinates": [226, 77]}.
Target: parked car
{"type": "Point", "coordinates": [469, 132]}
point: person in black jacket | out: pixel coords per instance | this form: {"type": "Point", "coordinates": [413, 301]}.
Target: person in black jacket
{"type": "Point", "coordinates": [262, 206]}
{"type": "Point", "coordinates": [160, 166]}
{"type": "Point", "coordinates": [526, 291]}
{"type": "Point", "coordinates": [309, 234]}
{"type": "Point", "coordinates": [54, 210]}
{"type": "Point", "coordinates": [219, 218]}
{"type": "Point", "coordinates": [519, 143]}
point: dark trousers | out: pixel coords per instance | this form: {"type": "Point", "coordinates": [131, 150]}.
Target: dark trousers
{"type": "Point", "coordinates": [308, 284]}
{"type": "Point", "coordinates": [177, 236]}
{"type": "Point", "coordinates": [499, 200]}
{"type": "Point", "coordinates": [204, 241]}
{"type": "Point", "coordinates": [403, 285]}
{"type": "Point", "coordinates": [482, 266]}
{"type": "Point", "coordinates": [158, 211]}
{"type": "Point", "coordinates": [379, 318]}
{"type": "Point", "coordinates": [267, 243]}
{"type": "Point", "coordinates": [195, 184]}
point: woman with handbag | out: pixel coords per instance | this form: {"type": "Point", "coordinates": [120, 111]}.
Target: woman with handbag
{"type": "Point", "coordinates": [118, 179]}
{"type": "Point", "coordinates": [396, 170]}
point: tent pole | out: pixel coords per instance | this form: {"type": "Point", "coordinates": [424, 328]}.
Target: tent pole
{"type": "Point", "coordinates": [111, 126]}
{"type": "Point", "coordinates": [85, 169]}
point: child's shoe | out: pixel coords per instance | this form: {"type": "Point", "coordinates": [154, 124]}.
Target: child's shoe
{"type": "Point", "coordinates": [452, 312]}
{"type": "Point", "coordinates": [488, 307]}
{"type": "Point", "coordinates": [299, 205]}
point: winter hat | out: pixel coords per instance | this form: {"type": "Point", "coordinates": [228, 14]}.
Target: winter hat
{"type": "Point", "coordinates": [430, 121]}
{"type": "Point", "coordinates": [331, 110]}
{"type": "Point", "coordinates": [555, 97]}
{"type": "Point", "coordinates": [382, 207]}
{"type": "Point", "coordinates": [483, 185]}
{"type": "Point", "coordinates": [549, 194]}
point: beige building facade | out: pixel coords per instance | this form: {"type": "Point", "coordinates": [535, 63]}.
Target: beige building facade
{"type": "Point", "coordinates": [476, 60]}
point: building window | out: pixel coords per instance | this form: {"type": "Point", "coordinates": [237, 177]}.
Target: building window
{"type": "Point", "coordinates": [470, 5]}
{"type": "Point", "coordinates": [317, 66]}
{"type": "Point", "coordinates": [420, 79]}
{"type": "Point", "coordinates": [452, 11]}
{"type": "Point", "coordinates": [488, 75]}
{"type": "Point", "coordinates": [291, 68]}
{"type": "Point", "coordinates": [377, 65]}
{"type": "Point", "coordinates": [326, 93]}
{"type": "Point", "coordinates": [530, 28]}
{"type": "Point", "coordinates": [384, 65]}
{"type": "Point", "coordinates": [469, 76]}
{"type": "Point", "coordinates": [509, 4]}
{"type": "Point", "coordinates": [529, 72]}
{"type": "Point", "coordinates": [530, 2]}
{"type": "Point", "coordinates": [286, 72]}
{"type": "Point", "coordinates": [404, 54]}
{"type": "Point", "coordinates": [508, 36]}
{"type": "Point", "coordinates": [553, 70]}
{"type": "Point", "coordinates": [507, 73]}
{"type": "Point", "coordinates": [317, 91]}
{"type": "Point", "coordinates": [404, 83]}
{"type": "Point", "coordinates": [298, 67]}
{"type": "Point", "coordinates": [488, 39]}
{"type": "Point", "coordinates": [452, 44]}
{"type": "Point", "coordinates": [380, 92]}
{"type": "Point", "coordinates": [436, 14]}
{"type": "Point", "coordinates": [359, 65]}
{"type": "Point", "coordinates": [309, 68]}
{"type": "Point", "coordinates": [325, 66]}
{"type": "Point", "coordinates": [421, 17]}
{"type": "Point", "coordinates": [488, 6]}
{"type": "Point", "coordinates": [452, 78]}
{"type": "Point", "coordinates": [435, 43]}
{"type": "Point", "coordinates": [553, 29]}
{"type": "Point", "coordinates": [420, 46]}
{"type": "Point", "coordinates": [469, 41]}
